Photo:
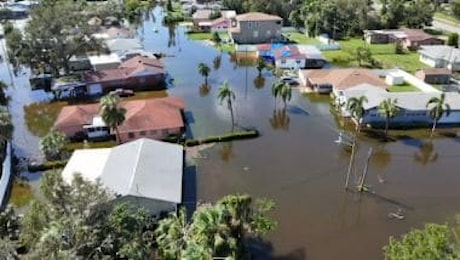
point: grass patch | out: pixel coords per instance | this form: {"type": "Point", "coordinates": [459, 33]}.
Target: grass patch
{"type": "Point", "coordinates": [199, 36]}
{"type": "Point", "coordinates": [446, 17]}
{"type": "Point", "coordinates": [41, 116]}
{"type": "Point", "coordinates": [383, 53]}
{"type": "Point", "coordinates": [403, 88]}
{"type": "Point", "coordinates": [81, 145]}
{"type": "Point", "coordinates": [21, 194]}
{"type": "Point", "coordinates": [147, 95]}
{"type": "Point", "coordinates": [301, 38]}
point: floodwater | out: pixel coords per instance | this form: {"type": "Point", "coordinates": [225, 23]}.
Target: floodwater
{"type": "Point", "coordinates": [295, 161]}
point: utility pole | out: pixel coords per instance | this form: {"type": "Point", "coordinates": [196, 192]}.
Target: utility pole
{"type": "Point", "coordinates": [361, 186]}
{"type": "Point", "coordinates": [350, 165]}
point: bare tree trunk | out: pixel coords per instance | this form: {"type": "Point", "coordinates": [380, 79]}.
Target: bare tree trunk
{"type": "Point", "coordinates": [117, 135]}
{"type": "Point", "coordinates": [433, 128]}
{"type": "Point", "coordinates": [387, 122]}
{"type": "Point", "coordinates": [231, 113]}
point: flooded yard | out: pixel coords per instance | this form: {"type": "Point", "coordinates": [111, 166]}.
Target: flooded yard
{"type": "Point", "coordinates": [295, 161]}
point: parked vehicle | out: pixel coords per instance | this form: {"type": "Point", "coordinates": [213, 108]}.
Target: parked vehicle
{"type": "Point", "coordinates": [290, 81]}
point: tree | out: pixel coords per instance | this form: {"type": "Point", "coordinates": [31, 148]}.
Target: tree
{"type": "Point", "coordinates": [204, 70]}
{"type": "Point", "coordinates": [432, 242]}
{"type": "Point", "coordinates": [388, 108]}
{"type": "Point", "coordinates": [53, 145]}
{"type": "Point", "coordinates": [280, 119]}
{"type": "Point", "coordinates": [56, 31]}
{"type": "Point", "coordinates": [3, 98]}
{"type": "Point", "coordinates": [455, 8]}
{"type": "Point", "coordinates": [111, 113]}
{"type": "Point", "coordinates": [355, 106]}
{"type": "Point", "coordinates": [220, 230]}
{"type": "Point", "coordinates": [226, 94]}
{"type": "Point", "coordinates": [283, 90]}
{"type": "Point", "coordinates": [363, 54]}
{"type": "Point", "coordinates": [418, 13]}
{"type": "Point", "coordinates": [438, 107]}
{"type": "Point", "coordinates": [452, 40]}
{"type": "Point", "coordinates": [260, 65]}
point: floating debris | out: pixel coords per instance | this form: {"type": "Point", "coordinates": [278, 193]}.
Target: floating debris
{"type": "Point", "coordinates": [397, 214]}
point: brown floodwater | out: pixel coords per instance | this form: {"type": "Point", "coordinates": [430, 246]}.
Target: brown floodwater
{"type": "Point", "coordinates": [295, 161]}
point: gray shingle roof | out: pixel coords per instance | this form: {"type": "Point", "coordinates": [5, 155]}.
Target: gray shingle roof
{"type": "Point", "coordinates": [443, 52]}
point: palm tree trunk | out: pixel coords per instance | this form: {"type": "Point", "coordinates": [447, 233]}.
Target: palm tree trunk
{"type": "Point", "coordinates": [206, 81]}
{"type": "Point", "coordinates": [433, 128]}
{"type": "Point", "coordinates": [231, 113]}
{"type": "Point", "coordinates": [117, 135]}
{"type": "Point", "coordinates": [387, 122]}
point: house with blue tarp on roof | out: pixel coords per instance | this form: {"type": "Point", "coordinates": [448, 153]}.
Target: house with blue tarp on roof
{"type": "Point", "coordinates": [291, 56]}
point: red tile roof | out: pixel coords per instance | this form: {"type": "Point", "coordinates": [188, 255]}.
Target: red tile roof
{"type": "Point", "coordinates": [129, 68]}
{"type": "Point", "coordinates": [146, 114]}
{"type": "Point", "coordinates": [417, 34]}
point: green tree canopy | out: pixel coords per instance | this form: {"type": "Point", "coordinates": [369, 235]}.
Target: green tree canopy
{"type": "Point", "coordinates": [53, 145]}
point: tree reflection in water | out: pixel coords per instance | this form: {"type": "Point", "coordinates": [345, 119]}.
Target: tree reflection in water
{"type": "Point", "coordinates": [259, 82]}
{"type": "Point", "coordinates": [204, 90]}
{"type": "Point", "coordinates": [226, 151]}
{"type": "Point", "coordinates": [217, 61]}
{"type": "Point", "coordinates": [426, 154]}
{"type": "Point", "coordinates": [280, 120]}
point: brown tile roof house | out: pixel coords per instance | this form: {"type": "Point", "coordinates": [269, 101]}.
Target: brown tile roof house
{"type": "Point", "coordinates": [155, 118]}
{"type": "Point", "coordinates": [411, 38]}
{"type": "Point", "coordinates": [340, 79]}
{"type": "Point", "coordinates": [137, 73]}
{"type": "Point", "coordinates": [434, 75]}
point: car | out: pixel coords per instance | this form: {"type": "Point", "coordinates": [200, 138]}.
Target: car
{"type": "Point", "coordinates": [123, 92]}
{"type": "Point", "coordinates": [290, 81]}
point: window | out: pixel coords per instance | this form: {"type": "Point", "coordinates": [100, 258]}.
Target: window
{"type": "Point", "coordinates": [269, 33]}
{"type": "Point", "coordinates": [131, 135]}
{"type": "Point", "coordinates": [142, 133]}
{"type": "Point", "coordinates": [153, 132]}
{"type": "Point", "coordinates": [164, 132]}
{"type": "Point", "coordinates": [255, 34]}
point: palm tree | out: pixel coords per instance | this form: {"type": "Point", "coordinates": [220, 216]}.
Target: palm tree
{"type": "Point", "coordinates": [204, 70]}
{"type": "Point", "coordinates": [260, 65]}
{"type": "Point", "coordinates": [280, 120]}
{"type": "Point", "coordinates": [6, 125]}
{"type": "Point", "coordinates": [172, 235]}
{"type": "Point", "coordinates": [355, 106]}
{"type": "Point", "coordinates": [388, 108]}
{"type": "Point", "coordinates": [283, 90]}
{"type": "Point", "coordinates": [438, 108]}
{"type": "Point", "coordinates": [111, 113]}
{"type": "Point", "coordinates": [226, 94]}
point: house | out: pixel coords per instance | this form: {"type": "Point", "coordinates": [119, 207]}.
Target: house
{"type": "Point", "coordinates": [137, 73]}
{"type": "Point", "coordinates": [251, 28]}
{"type": "Point", "coordinates": [104, 62]}
{"type": "Point", "coordinates": [440, 56]}
{"type": "Point", "coordinates": [156, 118]}
{"type": "Point", "coordinates": [121, 45]}
{"type": "Point", "coordinates": [201, 15]}
{"type": "Point", "coordinates": [413, 106]}
{"type": "Point", "coordinates": [410, 38]}
{"type": "Point", "coordinates": [115, 32]}
{"type": "Point", "coordinates": [144, 173]}
{"type": "Point", "coordinates": [313, 57]}
{"type": "Point", "coordinates": [289, 57]}
{"type": "Point", "coordinates": [337, 80]}
{"type": "Point", "coordinates": [434, 75]}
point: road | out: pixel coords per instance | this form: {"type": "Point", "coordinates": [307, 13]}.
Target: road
{"type": "Point", "coordinates": [445, 26]}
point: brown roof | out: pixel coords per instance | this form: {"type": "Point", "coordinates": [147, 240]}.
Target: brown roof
{"type": "Point", "coordinates": [128, 68]}
{"type": "Point", "coordinates": [437, 71]}
{"type": "Point", "coordinates": [417, 34]}
{"type": "Point", "coordinates": [146, 114]}
{"type": "Point", "coordinates": [343, 78]}
{"type": "Point", "coordinates": [256, 16]}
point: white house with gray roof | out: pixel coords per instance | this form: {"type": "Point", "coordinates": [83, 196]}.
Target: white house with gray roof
{"type": "Point", "coordinates": [145, 173]}
{"type": "Point", "coordinates": [440, 56]}
{"type": "Point", "coordinates": [412, 104]}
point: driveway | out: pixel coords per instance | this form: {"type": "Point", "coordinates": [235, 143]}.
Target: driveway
{"type": "Point", "coordinates": [446, 25]}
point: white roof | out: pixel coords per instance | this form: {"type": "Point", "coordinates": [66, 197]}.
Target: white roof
{"type": "Point", "coordinates": [142, 168]}
{"type": "Point", "coordinates": [123, 44]}
{"type": "Point", "coordinates": [406, 100]}
{"type": "Point", "coordinates": [103, 36]}
{"type": "Point", "coordinates": [104, 59]}
{"type": "Point", "coordinates": [442, 52]}
{"type": "Point", "coordinates": [312, 52]}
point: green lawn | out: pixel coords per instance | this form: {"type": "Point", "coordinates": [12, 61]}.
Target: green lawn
{"type": "Point", "coordinates": [106, 144]}
{"type": "Point", "coordinates": [199, 36]}
{"type": "Point", "coordinates": [403, 88]}
{"type": "Point", "coordinates": [383, 53]}
{"type": "Point", "coordinates": [447, 17]}
{"type": "Point", "coordinates": [301, 38]}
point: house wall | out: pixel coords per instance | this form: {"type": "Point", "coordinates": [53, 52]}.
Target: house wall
{"type": "Point", "coordinates": [148, 82]}
{"type": "Point", "coordinates": [70, 130]}
{"type": "Point", "coordinates": [416, 44]}
{"type": "Point", "coordinates": [410, 117]}
{"type": "Point", "coordinates": [376, 38]}
{"type": "Point", "coordinates": [314, 63]}
{"type": "Point", "coordinates": [157, 134]}
{"type": "Point", "coordinates": [257, 31]}
{"type": "Point", "coordinates": [435, 63]}
{"type": "Point", "coordinates": [155, 207]}
{"type": "Point", "coordinates": [289, 63]}
{"type": "Point", "coordinates": [106, 66]}
{"type": "Point", "coordinates": [437, 79]}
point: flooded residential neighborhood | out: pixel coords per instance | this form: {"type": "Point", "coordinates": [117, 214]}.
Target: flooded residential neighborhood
{"type": "Point", "coordinates": [296, 161]}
